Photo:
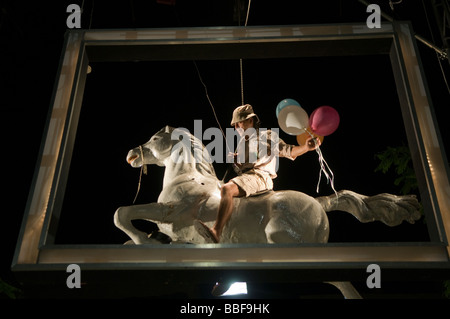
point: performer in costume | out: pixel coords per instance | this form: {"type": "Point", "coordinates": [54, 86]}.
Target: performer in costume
{"type": "Point", "coordinates": [255, 162]}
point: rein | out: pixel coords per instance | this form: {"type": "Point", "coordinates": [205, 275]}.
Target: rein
{"type": "Point", "coordinates": [143, 170]}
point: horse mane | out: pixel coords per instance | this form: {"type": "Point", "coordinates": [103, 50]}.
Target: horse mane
{"type": "Point", "coordinates": [203, 161]}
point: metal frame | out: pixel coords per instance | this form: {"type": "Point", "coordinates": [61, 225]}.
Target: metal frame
{"type": "Point", "coordinates": [35, 250]}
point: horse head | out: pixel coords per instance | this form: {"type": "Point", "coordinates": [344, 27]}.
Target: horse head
{"type": "Point", "coordinates": [172, 145]}
{"type": "Point", "coordinates": [155, 151]}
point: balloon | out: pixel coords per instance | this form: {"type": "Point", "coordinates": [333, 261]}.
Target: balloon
{"type": "Point", "coordinates": [285, 103]}
{"type": "Point", "coordinates": [301, 139]}
{"type": "Point", "coordinates": [293, 119]}
{"type": "Point", "coordinates": [324, 120]}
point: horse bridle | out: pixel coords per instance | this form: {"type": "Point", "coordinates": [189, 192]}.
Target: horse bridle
{"type": "Point", "coordinates": [143, 170]}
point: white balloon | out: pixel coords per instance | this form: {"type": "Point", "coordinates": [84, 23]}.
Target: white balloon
{"type": "Point", "coordinates": [293, 120]}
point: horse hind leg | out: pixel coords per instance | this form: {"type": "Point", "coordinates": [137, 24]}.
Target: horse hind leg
{"type": "Point", "coordinates": [283, 231]}
{"type": "Point", "coordinates": [279, 232]}
{"type": "Point", "coordinates": [291, 229]}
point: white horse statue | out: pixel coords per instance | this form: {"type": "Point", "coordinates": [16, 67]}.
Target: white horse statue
{"type": "Point", "coordinates": [191, 191]}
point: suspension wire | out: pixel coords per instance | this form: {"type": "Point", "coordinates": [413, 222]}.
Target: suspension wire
{"type": "Point", "coordinates": [242, 88]}
{"type": "Point", "coordinates": [437, 54]}
{"type": "Point", "coordinates": [248, 11]}
{"type": "Point", "coordinates": [92, 12]}
{"type": "Point", "coordinates": [391, 4]}
{"type": "Point", "coordinates": [211, 104]}
{"type": "Point", "coordinates": [242, 82]}
{"type": "Point", "coordinates": [240, 60]}
{"type": "Point", "coordinates": [206, 89]}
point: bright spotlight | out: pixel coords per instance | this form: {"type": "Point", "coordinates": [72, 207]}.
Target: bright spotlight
{"type": "Point", "coordinates": [237, 288]}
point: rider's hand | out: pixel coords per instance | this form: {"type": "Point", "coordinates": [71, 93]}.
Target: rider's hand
{"type": "Point", "coordinates": [312, 143]}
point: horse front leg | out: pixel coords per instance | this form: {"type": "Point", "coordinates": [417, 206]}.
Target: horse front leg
{"type": "Point", "coordinates": [153, 211]}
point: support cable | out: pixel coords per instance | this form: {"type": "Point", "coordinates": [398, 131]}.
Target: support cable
{"type": "Point", "coordinates": [240, 60]}
{"type": "Point", "coordinates": [439, 57]}
{"type": "Point", "coordinates": [418, 37]}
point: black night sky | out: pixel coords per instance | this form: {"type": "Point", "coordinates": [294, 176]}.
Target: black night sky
{"type": "Point", "coordinates": [125, 103]}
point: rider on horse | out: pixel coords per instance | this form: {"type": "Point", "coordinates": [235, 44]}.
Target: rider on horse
{"type": "Point", "coordinates": [255, 163]}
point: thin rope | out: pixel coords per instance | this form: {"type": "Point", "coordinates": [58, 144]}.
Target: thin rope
{"type": "Point", "coordinates": [437, 54]}
{"type": "Point", "coordinates": [211, 104]}
{"type": "Point", "coordinates": [242, 88]}
{"type": "Point", "coordinates": [242, 82]}
{"type": "Point", "coordinates": [248, 11]}
{"type": "Point", "coordinates": [92, 13]}
{"type": "Point", "coordinates": [391, 4]}
{"type": "Point", "coordinates": [240, 60]}
{"type": "Point", "coordinates": [143, 170]}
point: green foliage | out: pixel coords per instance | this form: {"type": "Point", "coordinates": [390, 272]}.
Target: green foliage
{"type": "Point", "coordinates": [447, 289]}
{"type": "Point", "coordinates": [10, 291]}
{"type": "Point", "coordinates": [398, 158]}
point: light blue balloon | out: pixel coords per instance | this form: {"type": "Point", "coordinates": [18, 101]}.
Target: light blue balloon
{"type": "Point", "coordinates": [285, 103]}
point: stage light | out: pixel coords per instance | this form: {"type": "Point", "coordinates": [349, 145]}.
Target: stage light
{"type": "Point", "coordinates": [237, 288]}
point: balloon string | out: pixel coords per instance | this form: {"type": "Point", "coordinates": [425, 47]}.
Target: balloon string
{"type": "Point", "coordinates": [323, 168]}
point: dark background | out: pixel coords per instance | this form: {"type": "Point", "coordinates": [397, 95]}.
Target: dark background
{"type": "Point", "coordinates": [125, 103]}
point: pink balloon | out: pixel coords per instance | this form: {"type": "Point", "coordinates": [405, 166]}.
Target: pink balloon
{"type": "Point", "coordinates": [324, 120]}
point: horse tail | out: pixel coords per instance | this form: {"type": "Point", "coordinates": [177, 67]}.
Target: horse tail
{"type": "Point", "coordinates": [387, 208]}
